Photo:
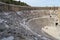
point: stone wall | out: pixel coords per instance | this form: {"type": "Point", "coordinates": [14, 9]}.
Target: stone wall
{"type": "Point", "coordinates": [11, 7]}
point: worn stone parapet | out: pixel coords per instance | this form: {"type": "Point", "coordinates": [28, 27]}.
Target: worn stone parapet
{"type": "Point", "coordinates": [11, 7]}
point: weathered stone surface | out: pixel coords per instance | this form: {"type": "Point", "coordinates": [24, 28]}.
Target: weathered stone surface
{"type": "Point", "coordinates": [13, 24]}
{"type": "Point", "coordinates": [26, 23]}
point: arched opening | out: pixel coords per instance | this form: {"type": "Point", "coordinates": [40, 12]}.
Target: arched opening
{"type": "Point", "coordinates": [56, 24]}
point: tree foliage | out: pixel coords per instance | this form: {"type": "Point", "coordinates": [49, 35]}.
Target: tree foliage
{"type": "Point", "coordinates": [14, 2]}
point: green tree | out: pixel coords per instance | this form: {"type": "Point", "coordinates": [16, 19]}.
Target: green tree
{"type": "Point", "coordinates": [14, 2]}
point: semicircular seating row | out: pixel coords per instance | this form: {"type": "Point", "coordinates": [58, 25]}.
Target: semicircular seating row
{"type": "Point", "coordinates": [34, 13]}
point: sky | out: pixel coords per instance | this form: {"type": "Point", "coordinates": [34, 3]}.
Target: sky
{"type": "Point", "coordinates": [42, 2]}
